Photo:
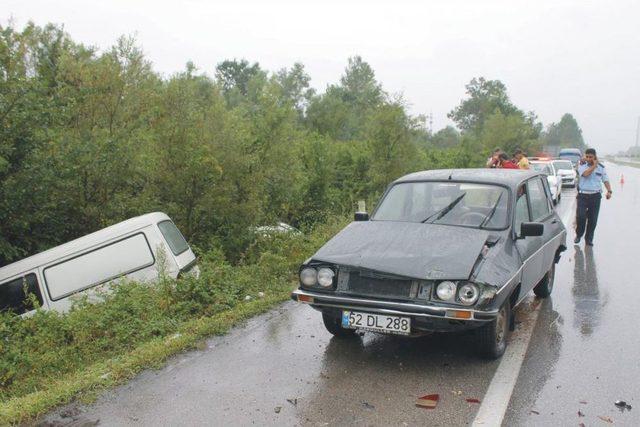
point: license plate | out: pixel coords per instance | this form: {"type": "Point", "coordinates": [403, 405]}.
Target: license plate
{"type": "Point", "coordinates": [376, 322]}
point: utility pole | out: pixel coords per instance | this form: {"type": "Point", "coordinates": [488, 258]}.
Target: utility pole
{"type": "Point", "coordinates": [638, 133]}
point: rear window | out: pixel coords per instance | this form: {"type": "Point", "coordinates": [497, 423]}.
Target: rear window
{"type": "Point", "coordinates": [13, 294]}
{"type": "Point", "coordinates": [173, 236]}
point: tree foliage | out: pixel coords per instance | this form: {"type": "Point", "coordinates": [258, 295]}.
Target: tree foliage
{"type": "Point", "coordinates": [88, 139]}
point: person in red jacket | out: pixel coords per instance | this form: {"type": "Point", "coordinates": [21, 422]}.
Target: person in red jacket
{"type": "Point", "coordinates": [505, 163]}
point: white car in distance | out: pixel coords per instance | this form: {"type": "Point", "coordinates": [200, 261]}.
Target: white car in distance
{"type": "Point", "coordinates": [566, 172]}
{"type": "Point", "coordinates": [555, 182]}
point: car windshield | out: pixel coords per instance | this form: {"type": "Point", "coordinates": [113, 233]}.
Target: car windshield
{"type": "Point", "coordinates": [450, 203]}
{"type": "Point", "coordinates": [542, 167]}
{"type": "Point", "coordinates": [563, 165]}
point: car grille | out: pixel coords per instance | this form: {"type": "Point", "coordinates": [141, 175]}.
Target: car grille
{"type": "Point", "coordinates": [372, 285]}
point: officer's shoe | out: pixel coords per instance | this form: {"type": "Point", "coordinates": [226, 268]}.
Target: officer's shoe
{"type": "Point", "coordinates": [589, 243]}
{"type": "Point", "coordinates": [576, 240]}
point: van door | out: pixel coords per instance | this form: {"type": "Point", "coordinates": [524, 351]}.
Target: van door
{"type": "Point", "coordinates": [182, 253]}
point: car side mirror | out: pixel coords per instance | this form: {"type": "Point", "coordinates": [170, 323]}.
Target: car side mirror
{"type": "Point", "coordinates": [531, 229]}
{"type": "Point", "coordinates": [361, 216]}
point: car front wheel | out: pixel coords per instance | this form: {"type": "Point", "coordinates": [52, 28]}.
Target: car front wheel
{"type": "Point", "coordinates": [492, 337]}
{"type": "Point", "coordinates": [544, 288]}
{"type": "Point", "coordinates": [333, 325]}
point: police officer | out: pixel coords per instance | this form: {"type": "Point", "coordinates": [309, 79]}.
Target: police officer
{"type": "Point", "coordinates": [591, 176]}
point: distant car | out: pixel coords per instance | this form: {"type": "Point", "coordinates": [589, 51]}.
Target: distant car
{"type": "Point", "coordinates": [566, 172]}
{"type": "Point", "coordinates": [444, 250]}
{"type": "Point", "coordinates": [547, 167]}
{"type": "Point", "coordinates": [279, 228]}
{"type": "Point", "coordinates": [128, 249]}
{"type": "Point", "coordinates": [574, 155]}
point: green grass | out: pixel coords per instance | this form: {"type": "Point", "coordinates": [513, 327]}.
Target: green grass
{"type": "Point", "coordinates": [50, 358]}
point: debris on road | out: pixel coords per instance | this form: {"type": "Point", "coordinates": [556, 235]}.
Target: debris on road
{"type": "Point", "coordinates": [429, 401]}
{"type": "Point", "coordinates": [623, 405]}
{"type": "Point", "coordinates": [277, 409]}
{"type": "Point", "coordinates": [584, 402]}
{"type": "Point", "coordinates": [293, 401]}
{"type": "Point", "coordinates": [368, 405]}
{"type": "Point", "coordinates": [472, 400]}
{"type": "Point", "coordinates": [606, 419]}
{"type": "Point", "coordinates": [580, 413]}
{"type": "Point", "coordinates": [535, 412]}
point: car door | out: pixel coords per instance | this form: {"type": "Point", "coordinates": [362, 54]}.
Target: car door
{"type": "Point", "coordinates": [526, 246]}
{"type": "Point", "coordinates": [541, 210]}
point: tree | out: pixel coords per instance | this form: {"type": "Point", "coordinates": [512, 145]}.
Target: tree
{"type": "Point", "coordinates": [235, 75]}
{"type": "Point", "coordinates": [485, 97]}
{"type": "Point", "coordinates": [294, 83]}
{"type": "Point", "coordinates": [511, 132]}
{"type": "Point", "coordinates": [565, 133]}
{"type": "Point", "coordinates": [447, 137]}
{"type": "Point", "coordinates": [342, 110]}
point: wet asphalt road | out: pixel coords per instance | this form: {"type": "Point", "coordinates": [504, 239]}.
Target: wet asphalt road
{"type": "Point", "coordinates": [584, 348]}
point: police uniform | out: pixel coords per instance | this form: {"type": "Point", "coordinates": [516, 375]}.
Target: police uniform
{"type": "Point", "coordinates": [589, 197]}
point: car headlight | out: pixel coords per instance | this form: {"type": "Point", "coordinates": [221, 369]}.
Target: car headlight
{"type": "Point", "coordinates": [309, 276]}
{"type": "Point", "coordinates": [468, 294]}
{"type": "Point", "coordinates": [446, 290]}
{"type": "Point", "coordinates": [325, 277]}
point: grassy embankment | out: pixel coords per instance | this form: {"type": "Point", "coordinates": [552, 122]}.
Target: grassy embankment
{"type": "Point", "coordinates": [50, 358]}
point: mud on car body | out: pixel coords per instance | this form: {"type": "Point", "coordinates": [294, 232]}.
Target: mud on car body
{"type": "Point", "coordinates": [444, 250]}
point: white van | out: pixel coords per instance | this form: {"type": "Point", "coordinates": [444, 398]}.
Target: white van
{"type": "Point", "coordinates": [128, 249]}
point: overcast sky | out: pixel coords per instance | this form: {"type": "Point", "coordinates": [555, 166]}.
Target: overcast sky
{"type": "Point", "coordinates": [555, 56]}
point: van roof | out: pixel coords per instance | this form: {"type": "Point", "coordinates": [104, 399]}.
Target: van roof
{"type": "Point", "coordinates": [80, 243]}
{"type": "Point", "coordinates": [570, 151]}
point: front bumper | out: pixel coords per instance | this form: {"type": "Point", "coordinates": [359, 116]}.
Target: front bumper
{"type": "Point", "coordinates": [424, 318]}
{"type": "Point", "coordinates": [568, 182]}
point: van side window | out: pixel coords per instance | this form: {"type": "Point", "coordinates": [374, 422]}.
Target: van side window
{"type": "Point", "coordinates": [98, 266]}
{"type": "Point", "coordinates": [173, 236]}
{"type": "Point", "coordinates": [13, 297]}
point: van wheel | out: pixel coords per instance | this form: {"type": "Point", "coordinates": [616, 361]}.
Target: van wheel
{"type": "Point", "coordinates": [492, 337]}
{"type": "Point", "coordinates": [544, 288]}
{"type": "Point", "coordinates": [333, 325]}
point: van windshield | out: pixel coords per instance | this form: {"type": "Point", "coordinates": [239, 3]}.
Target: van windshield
{"type": "Point", "coordinates": [173, 236]}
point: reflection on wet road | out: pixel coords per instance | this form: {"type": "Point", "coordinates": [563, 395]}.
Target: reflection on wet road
{"type": "Point", "coordinates": [586, 295]}
{"type": "Point", "coordinates": [283, 368]}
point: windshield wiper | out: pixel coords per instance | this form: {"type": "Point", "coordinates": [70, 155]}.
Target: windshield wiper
{"type": "Point", "coordinates": [442, 212]}
{"type": "Point", "coordinates": [491, 212]}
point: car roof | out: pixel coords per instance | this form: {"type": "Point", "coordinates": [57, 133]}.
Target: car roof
{"type": "Point", "coordinates": [509, 177]}
{"type": "Point", "coordinates": [80, 243]}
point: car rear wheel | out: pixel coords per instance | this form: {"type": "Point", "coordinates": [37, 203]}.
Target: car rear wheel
{"type": "Point", "coordinates": [333, 325]}
{"type": "Point", "coordinates": [492, 337]}
{"type": "Point", "coordinates": [544, 288]}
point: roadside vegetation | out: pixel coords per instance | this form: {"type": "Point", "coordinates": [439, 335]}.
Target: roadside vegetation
{"type": "Point", "coordinates": [92, 137]}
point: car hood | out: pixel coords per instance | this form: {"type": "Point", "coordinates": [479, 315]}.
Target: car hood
{"type": "Point", "coordinates": [425, 251]}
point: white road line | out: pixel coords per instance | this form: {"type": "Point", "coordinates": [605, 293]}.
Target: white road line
{"type": "Point", "coordinates": [496, 400]}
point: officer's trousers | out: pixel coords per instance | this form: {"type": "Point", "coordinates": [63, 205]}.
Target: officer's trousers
{"type": "Point", "coordinates": [587, 215]}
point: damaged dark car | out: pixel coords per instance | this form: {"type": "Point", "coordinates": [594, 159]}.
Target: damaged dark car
{"type": "Point", "coordinates": [444, 251]}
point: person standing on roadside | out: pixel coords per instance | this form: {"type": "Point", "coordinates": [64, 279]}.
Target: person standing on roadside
{"type": "Point", "coordinates": [592, 175]}
{"type": "Point", "coordinates": [521, 159]}
{"type": "Point", "coordinates": [505, 163]}
{"type": "Point", "coordinates": [493, 162]}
